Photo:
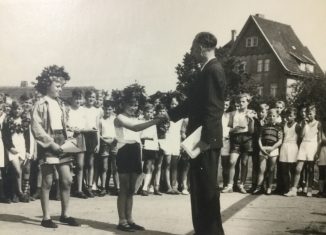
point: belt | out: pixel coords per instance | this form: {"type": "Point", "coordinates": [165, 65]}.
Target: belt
{"type": "Point", "coordinates": [58, 132]}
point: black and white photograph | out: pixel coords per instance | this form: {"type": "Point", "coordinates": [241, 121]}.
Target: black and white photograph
{"type": "Point", "coordinates": [163, 117]}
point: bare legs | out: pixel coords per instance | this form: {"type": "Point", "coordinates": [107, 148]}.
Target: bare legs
{"type": "Point", "coordinates": [125, 197]}
{"type": "Point", "coordinates": [64, 184]}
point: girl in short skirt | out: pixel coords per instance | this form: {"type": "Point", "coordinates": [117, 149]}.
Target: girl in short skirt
{"type": "Point", "coordinates": [307, 151]}
{"type": "Point", "coordinates": [76, 123]}
{"type": "Point", "coordinates": [321, 160]}
{"type": "Point", "coordinates": [129, 159]}
{"type": "Point", "coordinates": [289, 150]}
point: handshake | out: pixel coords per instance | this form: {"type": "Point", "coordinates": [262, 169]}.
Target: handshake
{"type": "Point", "coordinates": [162, 117]}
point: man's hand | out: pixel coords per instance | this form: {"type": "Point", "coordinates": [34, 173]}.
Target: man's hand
{"type": "Point", "coordinates": [203, 146]}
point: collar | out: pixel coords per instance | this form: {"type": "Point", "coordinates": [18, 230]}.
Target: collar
{"type": "Point", "coordinates": [204, 65]}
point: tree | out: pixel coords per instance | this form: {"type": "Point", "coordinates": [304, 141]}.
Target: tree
{"type": "Point", "coordinates": [309, 91]}
{"type": "Point", "coordinates": [238, 81]}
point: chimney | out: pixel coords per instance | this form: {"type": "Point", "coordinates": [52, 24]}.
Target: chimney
{"type": "Point", "coordinates": [24, 84]}
{"type": "Point", "coordinates": [233, 33]}
{"type": "Point", "coordinates": [260, 15]}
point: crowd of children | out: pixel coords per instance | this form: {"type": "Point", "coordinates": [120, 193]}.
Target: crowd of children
{"type": "Point", "coordinates": [282, 142]}
{"type": "Point", "coordinates": [90, 121]}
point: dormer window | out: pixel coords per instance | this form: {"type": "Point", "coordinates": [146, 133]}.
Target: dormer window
{"type": "Point", "coordinates": [309, 68]}
{"type": "Point", "coordinates": [302, 67]}
{"type": "Point", "coordinates": [251, 41]}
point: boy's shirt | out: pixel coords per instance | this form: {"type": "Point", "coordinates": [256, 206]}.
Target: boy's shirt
{"type": "Point", "coordinates": [107, 129]}
{"type": "Point", "coordinates": [271, 133]}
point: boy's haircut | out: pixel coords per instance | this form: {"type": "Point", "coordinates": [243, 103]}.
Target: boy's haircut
{"type": "Point", "coordinates": [108, 103]}
{"type": "Point", "coordinates": [160, 107]}
{"type": "Point", "coordinates": [148, 106]}
{"type": "Point", "coordinates": [24, 97]}
{"type": "Point", "coordinates": [206, 40]}
{"type": "Point", "coordinates": [263, 106]}
{"type": "Point", "coordinates": [312, 108]}
{"type": "Point", "coordinates": [77, 93]}
{"type": "Point", "coordinates": [89, 92]}
{"type": "Point", "coordinates": [273, 111]}
{"type": "Point", "coordinates": [280, 102]}
{"type": "Point", "coordinates": [243, 95]}
{"type": "Point", "coordinates": [291, 110]}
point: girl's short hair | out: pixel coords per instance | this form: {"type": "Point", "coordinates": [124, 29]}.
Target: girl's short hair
{"type": "Point", "coordinates": [50, 74]}
{"type": "Point", "coordinates": [14, 106]}
{"type": "Point", "coordinates": [77, 93]}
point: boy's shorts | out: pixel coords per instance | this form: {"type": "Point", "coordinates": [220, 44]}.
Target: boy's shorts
{"type": "Point", "coordinates": [241, 143]}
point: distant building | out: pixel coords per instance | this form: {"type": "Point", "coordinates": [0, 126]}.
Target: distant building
{"type": "Point", "coordinates": [271, 53]}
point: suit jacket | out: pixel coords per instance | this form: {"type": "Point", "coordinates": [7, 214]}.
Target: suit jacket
{"type": "Point", "coordinates": [205, 104]}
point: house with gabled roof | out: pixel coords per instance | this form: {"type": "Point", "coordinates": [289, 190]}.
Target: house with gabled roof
{"type": "Point", "coordinates": [272, 54]}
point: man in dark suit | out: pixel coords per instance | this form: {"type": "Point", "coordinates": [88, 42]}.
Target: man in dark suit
{"type": "Point", "coordinates": [204, 107]}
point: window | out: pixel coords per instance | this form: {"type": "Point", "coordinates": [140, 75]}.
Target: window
{"type": "Point", "coordinates": [309, 68]}
{"type": "Point", "coordinates": [251, 41]}
{"type": "Point", "coordinates": [259, 66]}
{"type": "Point", "coordinates": [302, 67]}
{"type": "Point", "coordinates": [260, 90]}
{"type": "Point", "coordinates": [273, 89]}
{"type": "Point", "coordinates": [266, 65]}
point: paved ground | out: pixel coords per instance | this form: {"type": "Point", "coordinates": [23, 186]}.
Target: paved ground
{"type": "Point", "coordinates": [170, 215]}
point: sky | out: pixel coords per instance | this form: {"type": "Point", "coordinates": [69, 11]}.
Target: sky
{"type": "Point", "coordinates": [110, 44]}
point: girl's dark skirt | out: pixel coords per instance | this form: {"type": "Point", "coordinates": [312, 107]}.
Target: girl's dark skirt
{"type": "Point", "coordinates": [48, 156]}
{"type": "Point", "coordinates": [129, 159]}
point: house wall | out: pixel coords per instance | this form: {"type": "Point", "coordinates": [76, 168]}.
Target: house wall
{"type": "Point", "coordinates": [251, 31]}
{"type": "Point", "coordinates": [251, 55]}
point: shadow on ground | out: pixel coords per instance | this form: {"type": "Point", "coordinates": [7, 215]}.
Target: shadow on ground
{"type": "Point", "coordinates": [233, 209]}
{"type": "Point", "coordinates": [98, 225]}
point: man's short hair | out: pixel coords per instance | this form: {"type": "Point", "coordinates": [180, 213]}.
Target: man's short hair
{"type": "Point", "coordinates": [206, 40]}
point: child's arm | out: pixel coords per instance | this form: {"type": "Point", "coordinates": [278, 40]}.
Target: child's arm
{"type": "Point", "coordinates": [279, 142]}
{"type": "Point", "coordinates": [262, 148]}
{"type": "Point", "coordinates": [127, 123]}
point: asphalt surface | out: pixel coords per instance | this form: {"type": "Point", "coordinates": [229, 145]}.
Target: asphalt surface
{"type": "Point", "coordinates": [170, 215]}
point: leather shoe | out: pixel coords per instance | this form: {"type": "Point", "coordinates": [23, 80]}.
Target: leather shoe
{"type": "Point", "coordinates": [48, 224]}
{"type": "Point", "coordinates": [125, 228]}
{"type": "Point", "coordinates": [69, 221]}
{"type": "Point", "coordinates": [136, 227]}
